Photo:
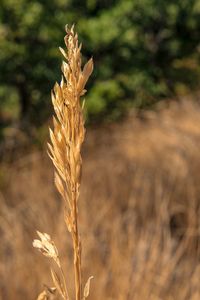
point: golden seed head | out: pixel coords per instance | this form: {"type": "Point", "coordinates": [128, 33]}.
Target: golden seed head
{"type": "Point", "coordinates": [68, 133]}
{"type": "Point", "coordinates": [46, 246]}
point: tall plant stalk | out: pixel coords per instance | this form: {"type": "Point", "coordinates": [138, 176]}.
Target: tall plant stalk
{"type": "Point", "coordinates": [66, 138]}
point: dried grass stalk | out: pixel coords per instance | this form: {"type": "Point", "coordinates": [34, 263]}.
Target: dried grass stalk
{"type": "Point", "coordinates": [67, 137]}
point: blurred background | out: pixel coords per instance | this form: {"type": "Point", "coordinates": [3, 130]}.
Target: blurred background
{"type": "Point", "coordinates": [140, 203]}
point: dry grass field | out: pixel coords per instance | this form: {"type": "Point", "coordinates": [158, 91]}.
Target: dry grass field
{"type": "Point", "coordinates": [139, 212]}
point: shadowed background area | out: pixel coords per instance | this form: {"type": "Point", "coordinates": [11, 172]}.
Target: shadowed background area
{"type": "Point", "coordinates": [139, 204]}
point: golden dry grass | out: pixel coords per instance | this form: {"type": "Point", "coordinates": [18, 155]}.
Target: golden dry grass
{"type": "Point", "coordinates": [64, 150]}
{"type": "Point", "coordinates": [139, 212]}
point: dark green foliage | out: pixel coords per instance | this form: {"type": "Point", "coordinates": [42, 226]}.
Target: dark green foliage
{"type": "Point", "coordinates": [144, 51]}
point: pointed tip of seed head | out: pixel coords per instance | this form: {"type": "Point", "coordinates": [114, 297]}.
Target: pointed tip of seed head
{"type": "Point", "coordinates": [66, 27]}
{"type": "Point", "coordinates": [72, 28]}
{"type": "Point", "coordinates": [63, 52]}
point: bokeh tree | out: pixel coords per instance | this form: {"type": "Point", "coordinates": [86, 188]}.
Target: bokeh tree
{"type": "Point", "coordinates": [144, 50]}
{"type": "Point", "coordinates": [30, 32]}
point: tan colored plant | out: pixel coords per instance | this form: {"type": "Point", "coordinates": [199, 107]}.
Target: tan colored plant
{"type": "Point", "coordinates": [67, 137]}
